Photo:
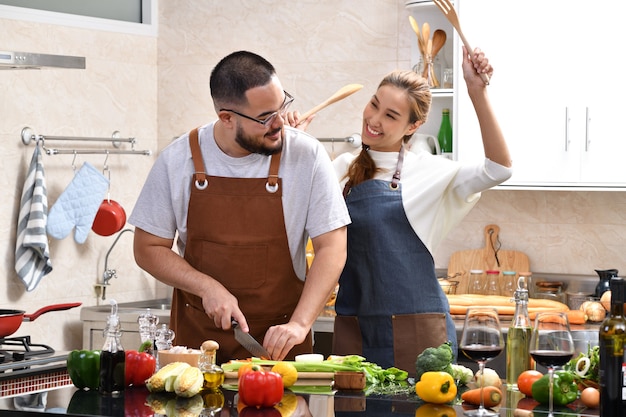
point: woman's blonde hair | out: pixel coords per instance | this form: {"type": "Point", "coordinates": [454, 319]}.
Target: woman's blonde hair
{"type": "Point", "coordinates": [417, 89]}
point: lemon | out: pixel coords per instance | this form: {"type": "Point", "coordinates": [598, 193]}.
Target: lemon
{"type": "Point", "coordinates": [287, 371]}
{"type": "Point", "coordinates": [288, 404]}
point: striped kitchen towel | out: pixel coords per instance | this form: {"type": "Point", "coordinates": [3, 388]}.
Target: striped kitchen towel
{"type": "Point", "coordinates": [32, 253]}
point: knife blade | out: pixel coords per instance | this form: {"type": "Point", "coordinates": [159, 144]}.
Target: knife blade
{"type": "Point", "coordinates": [249, 343]}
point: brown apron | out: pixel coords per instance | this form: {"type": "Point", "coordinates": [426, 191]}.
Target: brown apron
{"type": "Point", "coordinates": [236, 234]}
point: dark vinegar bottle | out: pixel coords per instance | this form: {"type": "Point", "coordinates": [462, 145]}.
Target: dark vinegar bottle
{"type": "Point", "coordinates": [612, 341]}
{"type": "Point", "coordinates": [112, 357]}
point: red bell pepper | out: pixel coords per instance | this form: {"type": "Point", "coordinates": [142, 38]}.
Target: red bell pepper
{"type": "Point", "coordinates": [259, 388]}
{"type": "Point", "coordinates": [259, 412]}
{"type": "Point", "coordinates": [140, 365]}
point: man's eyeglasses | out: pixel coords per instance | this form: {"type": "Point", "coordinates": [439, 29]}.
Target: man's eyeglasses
{"type": "Point", "coordinates": [269, 119]}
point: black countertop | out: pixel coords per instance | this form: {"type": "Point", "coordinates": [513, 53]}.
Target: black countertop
{"type": "Point", "coordinates": [70, 401]}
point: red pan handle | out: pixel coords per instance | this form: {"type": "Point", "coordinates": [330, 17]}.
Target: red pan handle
{"type": "Point", "coordinates": [53, 307]}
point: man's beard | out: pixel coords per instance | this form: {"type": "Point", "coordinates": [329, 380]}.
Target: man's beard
{"type": "Point", "coordinates": [252, 145]}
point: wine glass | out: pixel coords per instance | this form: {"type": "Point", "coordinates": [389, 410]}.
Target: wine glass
{"type": "Point", "coordinates": [551, 345]}
{"type": "Point", "coordinates": [481, 342]}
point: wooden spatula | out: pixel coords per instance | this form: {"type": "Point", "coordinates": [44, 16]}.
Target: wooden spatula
{"type": "Point", "coordinates": [447, 9]}
{"type": "Point", "coordinates": [340, 94]}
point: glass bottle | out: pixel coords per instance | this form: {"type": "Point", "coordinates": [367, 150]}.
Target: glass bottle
{"type": "Point", "coordinates": [445, 134]}
{"type": "Point", "coordinates": [476, 282]}
{"type": "Point", "coordinates": [112, 356]}
{"type": "Point", "coordinates": [518, 336]}
{"type": "Point", "coordinates": [163, 340]}
{"type": "Point", "coordinates": [213, 374]}
{"type": "Point", "coordinates": [493, 286]}
{"type": "Point", "coordinates": [612, 340]}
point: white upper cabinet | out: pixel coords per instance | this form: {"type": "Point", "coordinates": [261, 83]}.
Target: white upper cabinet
{"type": "Point", "coordinates": [555, 89]}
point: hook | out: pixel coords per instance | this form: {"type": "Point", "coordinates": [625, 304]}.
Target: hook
{"type": "Point", "coordinates": [107, 171]}
{"type": "Point", "coordinates": [74, 162]}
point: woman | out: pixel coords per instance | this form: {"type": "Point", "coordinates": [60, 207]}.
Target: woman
{"type": "Point", "coordinates": [390, 306]}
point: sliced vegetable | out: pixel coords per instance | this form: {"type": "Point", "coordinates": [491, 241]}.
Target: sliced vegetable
{"type": "Point", "coordinates": [491, 396]}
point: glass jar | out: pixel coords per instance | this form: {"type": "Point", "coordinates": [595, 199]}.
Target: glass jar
{"type": "Point", "coordinates": [493, 282]}
{"type": "Point", "coordinates": [509, 283]}
{"type": "Point", "coordinates": [476, 282]}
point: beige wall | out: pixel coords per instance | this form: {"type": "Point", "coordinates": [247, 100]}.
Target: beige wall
{"type": "Point", "coordinates": [156, 88]}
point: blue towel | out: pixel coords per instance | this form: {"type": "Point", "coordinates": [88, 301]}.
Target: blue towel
{"type": "Point", "coordinates": [32, 253]}
{"type": "Point", "coordinates": [78, 204]}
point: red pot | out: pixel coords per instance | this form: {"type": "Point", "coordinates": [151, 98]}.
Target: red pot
{"type": "Point", "coordinates": [110, 218]}
{"type": "Point", "coordinates": [10, 320]}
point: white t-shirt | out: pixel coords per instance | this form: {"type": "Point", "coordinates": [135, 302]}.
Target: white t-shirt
{"type": "Point", "coordinates": [312, 200]}
{"type": "Point", "coordinates": [437, 193]}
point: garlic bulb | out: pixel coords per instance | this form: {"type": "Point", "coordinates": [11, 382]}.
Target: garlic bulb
{"type": "Point", "coordinates": [594, 310]}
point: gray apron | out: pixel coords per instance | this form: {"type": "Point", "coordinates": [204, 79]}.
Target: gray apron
{"type": "Point", "coordinates": [390, 306]}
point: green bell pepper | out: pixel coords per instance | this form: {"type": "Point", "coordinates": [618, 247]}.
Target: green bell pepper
{"type": "Point", "coordinates": [83, 366]}
{"type": "Point", "coordinates": [565, 389]}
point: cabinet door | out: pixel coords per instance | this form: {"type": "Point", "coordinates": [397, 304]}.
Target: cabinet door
{"type": "Point", "coordinates": [603, 88]}
{"type": "Point", "coordinates": [536, 69]}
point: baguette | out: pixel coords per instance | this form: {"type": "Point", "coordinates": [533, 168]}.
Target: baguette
{"type": "Point", "coordinates": [459, 303]}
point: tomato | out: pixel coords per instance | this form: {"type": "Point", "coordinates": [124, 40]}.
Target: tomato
{"type": "Point", "coordinates": [526, 380]}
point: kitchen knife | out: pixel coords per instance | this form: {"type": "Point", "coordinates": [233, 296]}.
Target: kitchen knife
{"type": "Point", "coordinates": [249, 342]}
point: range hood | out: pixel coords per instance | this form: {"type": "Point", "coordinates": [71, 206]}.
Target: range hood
{"type": "Point", "coordinates": [27, 60]}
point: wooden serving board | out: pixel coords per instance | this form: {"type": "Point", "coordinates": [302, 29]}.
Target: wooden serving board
{"type": "Point", "coordinates": [491, 257]}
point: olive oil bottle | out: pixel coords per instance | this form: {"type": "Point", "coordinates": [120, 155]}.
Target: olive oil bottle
{"type": "Point", "coordinates": [518, 337]}
{"type": "Point", "coordinates": [213, 374]}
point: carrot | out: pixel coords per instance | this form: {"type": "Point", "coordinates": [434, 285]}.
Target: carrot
{"type": "Point", "coordinates": [576, 317]}
{"type": "Point", "coordinates": [491, 396]}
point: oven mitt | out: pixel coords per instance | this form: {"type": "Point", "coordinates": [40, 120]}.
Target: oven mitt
{"type": "Point", "coordinates": [78, 204]}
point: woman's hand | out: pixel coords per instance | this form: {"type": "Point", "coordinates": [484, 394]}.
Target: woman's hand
{"type": "Point", "coordinates": [293, 119]}
{"type": "Point", "coordinates": [473, 67]}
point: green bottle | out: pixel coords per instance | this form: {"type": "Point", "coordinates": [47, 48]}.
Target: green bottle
{"type": "Point", "coordinates": [445, 135]}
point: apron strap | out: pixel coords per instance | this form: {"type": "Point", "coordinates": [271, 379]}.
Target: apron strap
{"type": "Point", "coordinates": [272, 177]}
{"type": "Point", "coordinates": [396, 176]}
{"type": "Point", "coordinates": [199, 176]}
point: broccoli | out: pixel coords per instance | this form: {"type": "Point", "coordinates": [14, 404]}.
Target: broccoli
{"type": "Point", "coordinates": [434, 359]}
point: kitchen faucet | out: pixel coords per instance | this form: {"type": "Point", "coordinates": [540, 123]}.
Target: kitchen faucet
{"type": "Point", "coordinates": [110, 273]}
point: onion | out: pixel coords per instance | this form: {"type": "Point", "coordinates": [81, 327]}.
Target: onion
{"type": "Point", "coordinates": [585, 363]}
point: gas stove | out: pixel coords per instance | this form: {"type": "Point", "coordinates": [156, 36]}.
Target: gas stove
{"type": "Point", "coordinates": [27, 367]}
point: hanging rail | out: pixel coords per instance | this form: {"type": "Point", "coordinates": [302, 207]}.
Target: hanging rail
{"type": "Point", "coordinates": [29, 135]}
{"type": "Point", "coordinates": [354, 139]}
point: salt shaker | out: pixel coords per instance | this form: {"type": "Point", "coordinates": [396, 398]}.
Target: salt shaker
{"type": "Point", "coordinates": [164, 338]}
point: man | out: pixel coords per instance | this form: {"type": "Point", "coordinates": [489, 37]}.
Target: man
{"type": "Point", "coordinates": [244, 193]}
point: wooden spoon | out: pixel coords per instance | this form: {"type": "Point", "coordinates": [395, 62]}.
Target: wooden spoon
{"type": "Point", "coordinates": [439, 39]}
{"type": "Point", "coordinates": [416, 29]}
{"type": "Point", "coordinates": [340, 94]}
{"type": "Point", "coordinates": [425, 32]}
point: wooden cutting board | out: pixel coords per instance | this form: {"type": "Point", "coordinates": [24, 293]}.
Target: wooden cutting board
{"type": "Point", "coordinates": [491, 257]}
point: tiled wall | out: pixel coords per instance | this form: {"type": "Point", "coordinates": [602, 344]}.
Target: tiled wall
{"type": "Point", "coordinates": [156, 88]}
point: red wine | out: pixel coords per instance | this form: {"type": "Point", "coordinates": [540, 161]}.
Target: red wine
{"type": "Point", "coordinates": [481, 352]}
{"type": "Point", "coordinates": [551, 357]}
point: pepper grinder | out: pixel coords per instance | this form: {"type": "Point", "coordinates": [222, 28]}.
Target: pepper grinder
{"type": "Point", "coordinates": [164, 338]}
{"type": "Point", "coordinates": [147, 329]}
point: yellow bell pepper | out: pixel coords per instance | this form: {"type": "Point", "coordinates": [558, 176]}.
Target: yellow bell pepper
{"type": "Point", "coordinates": [436, 387]}
{"type": "Point", "coordinates": [435, 410]}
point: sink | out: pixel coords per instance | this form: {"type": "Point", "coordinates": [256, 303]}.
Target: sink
{"type": "Point", "coordinates": [159, 304]}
